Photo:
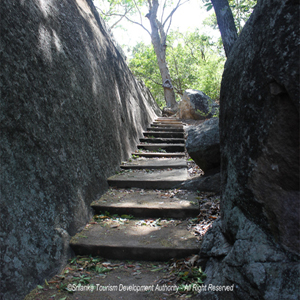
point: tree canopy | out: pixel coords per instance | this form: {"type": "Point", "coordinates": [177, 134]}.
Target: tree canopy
{"type": "Point", "coordinates": [195, 62]}
{"type": "Point", "coordinates": [177, 61]}
{"type": "Point", "coordinates": [160, 21]}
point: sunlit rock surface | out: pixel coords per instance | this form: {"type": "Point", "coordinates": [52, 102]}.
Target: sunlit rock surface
{"type": "Point", "coordinates": [196, 105]}
{"type": "Point", "coordinates": [70, 112]}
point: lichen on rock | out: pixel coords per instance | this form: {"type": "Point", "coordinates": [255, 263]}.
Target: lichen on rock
{"type": "Point", "coordinates": [259, 141]}
{"type": "Point", "coordinates": [70, 112]}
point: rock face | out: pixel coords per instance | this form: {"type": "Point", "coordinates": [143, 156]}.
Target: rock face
{"type": "Point", "coordinates": [256, 243]}
{"type": "Point", "coordinates": [197, 106]}
{"type": "Point", "coordinates": [149, 97]}
{"type": "Point", "coordinates": [206, 183]}
{"type": "Point", "coordinates": [70, 112]}
{"type": "Point", "coordinates": [203, 144]}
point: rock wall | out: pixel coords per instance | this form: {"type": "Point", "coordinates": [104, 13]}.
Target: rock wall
{"type": "Point", "coordinates": [70, 112]}
{"type": "Point", "coordinates": [255, 245]}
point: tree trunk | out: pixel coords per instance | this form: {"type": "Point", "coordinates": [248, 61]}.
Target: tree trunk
{"type": "Point", "coordinates": [225, 23]}
{"type": "Point", "coordinates": [158, 38]}
{"type": "Point", "coordinates": [169, 93]}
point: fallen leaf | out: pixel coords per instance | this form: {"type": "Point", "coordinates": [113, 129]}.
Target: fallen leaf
{"type": "Point", "coordinates": [193, 259]}
{"type": "Point", "coordinates": [106, 264]}
{"type": "Point", "coordinates": [156, 270]}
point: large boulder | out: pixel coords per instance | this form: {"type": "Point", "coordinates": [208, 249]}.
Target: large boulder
{"type": "Point", "coordinates": [256, 244]}
{"type": "Point", "coordinates": [197, 106]}
{"type": "Point", "coordinates": [70, 112]}
{"type": "Point", "coordinates": [203, 144]}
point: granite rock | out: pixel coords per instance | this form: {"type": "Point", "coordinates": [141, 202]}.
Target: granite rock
{"type": "Point", "coordinates": [70, 112]}
{"type": "Point", "coordinates": [259, 143]}
{"type": "Point", "coordinates": [203, 144]}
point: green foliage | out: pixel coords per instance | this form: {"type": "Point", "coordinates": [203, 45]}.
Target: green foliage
{"type": "Point", "coordinates": [144, 66]}
{"type": "Point", "coordinates": [190, 281]}
{"type": "Point", "coordinates": [193, 60]}
{"type": "Point", "coordinates": [112, 11]}
{"type": "Point", "coordinates": [241, 10]}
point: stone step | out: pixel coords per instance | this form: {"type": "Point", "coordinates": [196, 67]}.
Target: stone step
{"type": "Point", "coordinates": [162, 140]}
{"type": "Point", "coordinates": [166, 147]}
{"type": "Point", "coordinates": [131, 240]}
{"type": "Point", "coordinates": [166, 119]}
{"type": "Point", "coordinates": [155, 124]}
{"type": "Point", "coordinates": [156, 179]}
{"type": "Point", "coordinates": [140, 191]}
{"type": "Point", "coordinates": [165, 129]}
{"type": "Point", "coordinates": [159, 154]}
{"type": "Point", "coordinates": [174, 124]}
{"type": "Point", "coordinates": [155, 163]}
{"type": "Point", "coordinates": [164, 134]}
{"type": "Point", "coordinates": [148, 203]}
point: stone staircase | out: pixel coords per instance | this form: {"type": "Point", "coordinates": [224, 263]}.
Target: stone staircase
{"type": "Point", "coordinates": [145, 189]}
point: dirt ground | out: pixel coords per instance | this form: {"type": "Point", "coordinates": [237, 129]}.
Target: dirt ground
{"type": "Point", "coordinates": [111, 279]}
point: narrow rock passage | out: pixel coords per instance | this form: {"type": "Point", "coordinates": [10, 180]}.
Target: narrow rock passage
{"type": "Point", "coordinates": [138, 193]}
{"type": "Point", "coordinates": [145, 234]}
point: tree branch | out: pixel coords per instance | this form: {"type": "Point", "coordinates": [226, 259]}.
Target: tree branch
{"type": "Point", "coordinates": [162, 15]}
{"type": "Point", "coordinates": [163, 36]}
{"type": "Point", "coordinates": [178, 91]}
{"type": "Point", "coordinates": [137, 23]}
{"type": "Point", "coordinates": [113, 25]}
{"type": "Point", "coordinates": [173, 11]}
{"type": "Point", "coordinates": [168, 28]}
{"type": "Point", "coordinates": [139, 12]}
{"type": "Point", "coordinates": [124, 15]}
{"type": "Point", "coordinates": [144, 76]}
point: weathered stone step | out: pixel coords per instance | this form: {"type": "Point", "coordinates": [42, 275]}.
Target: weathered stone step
{"type": "Point", "coordinates": [162, 140]}
{"type": "Point", "coordinates": [132, 240]}
{"type": "Point", "coordinates": [159, 154]}
{"type": "Point", "coordinates": [162, 179]}
{"type": "Point", "coordinates": [156, 124]}
{"type": "Point", "coordinates": [164, 134]}
{"type": "Point", "coordinates": [148, 203]}
{"type": "Point", "coordinates": [166, 120]}
{"type": "Point", "coordinates": [174, 124]}
{"type": "Point", "coordinates": [165, 129]}
{"type": "Point", "coordinates": [155, 163]}
{"type": "Point", "coordinates": [166, 147]}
